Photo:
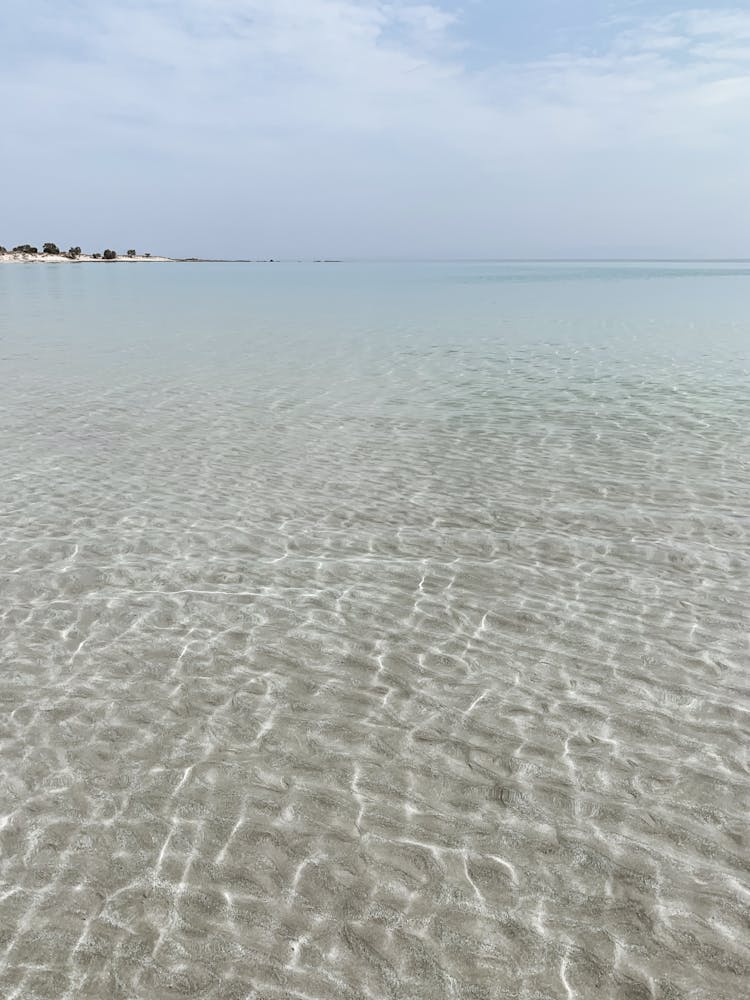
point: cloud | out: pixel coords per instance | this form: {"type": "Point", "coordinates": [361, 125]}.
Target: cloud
{"type": "Point", "coordinates": [370, 122]}
{"type": "Point", "coordinates": [427, 23]}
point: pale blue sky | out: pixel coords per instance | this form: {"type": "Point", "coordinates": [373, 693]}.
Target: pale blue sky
{"type": "Point", "coordinates": [306, 128]}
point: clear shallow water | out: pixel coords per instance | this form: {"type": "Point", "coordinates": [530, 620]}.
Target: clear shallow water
{"type": "Point", "coordinates": [374, 631]}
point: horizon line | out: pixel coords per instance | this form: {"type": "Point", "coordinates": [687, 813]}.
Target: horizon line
{"type": "Point", "coordinates": [466, 260]}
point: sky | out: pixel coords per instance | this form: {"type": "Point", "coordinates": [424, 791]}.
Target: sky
{"type": "Point", "coordinates": [377, 128]}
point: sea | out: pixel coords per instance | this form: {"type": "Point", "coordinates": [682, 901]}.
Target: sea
{"type": "Point", "coordinates": [375, 631]}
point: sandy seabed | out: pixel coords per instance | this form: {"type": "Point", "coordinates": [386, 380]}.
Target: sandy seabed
{"type": "Point", "coordinates": [367, 668]}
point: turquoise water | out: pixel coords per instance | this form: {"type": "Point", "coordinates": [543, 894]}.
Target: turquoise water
{"type": "Point", "coordinates": [374, 630]}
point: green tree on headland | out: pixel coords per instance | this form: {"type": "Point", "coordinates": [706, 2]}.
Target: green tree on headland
{"type": "Point", "coordinates": [74, 252]}
{"type": "Point", "coordinates": [51, 248]}
{"type": "Point", "coordinates": [109, 255]}
{"type": "Point", "coordinates": [25, 248]}
{"type": "Point", "coordinates": [131, 253]}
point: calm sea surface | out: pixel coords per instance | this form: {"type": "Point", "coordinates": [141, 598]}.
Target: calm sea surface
{"type": "Point", "coordinates": [374, 631]}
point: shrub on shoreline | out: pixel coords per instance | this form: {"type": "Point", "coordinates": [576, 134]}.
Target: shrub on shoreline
{"type": "Point", "coordinates": [72, 254]}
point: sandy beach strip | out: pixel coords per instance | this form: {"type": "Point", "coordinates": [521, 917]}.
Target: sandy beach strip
{"type": "Point", "coordinates": [84, 258]}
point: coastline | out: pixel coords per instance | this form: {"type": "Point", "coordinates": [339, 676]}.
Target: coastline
{"type": "Point", "coordinates": [84, 258]}
{"type": "Point", "coordinates": [17, 257]}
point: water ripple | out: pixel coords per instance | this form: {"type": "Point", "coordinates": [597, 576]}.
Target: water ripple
{"type": "Point", "coordinates": [435, 692]}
